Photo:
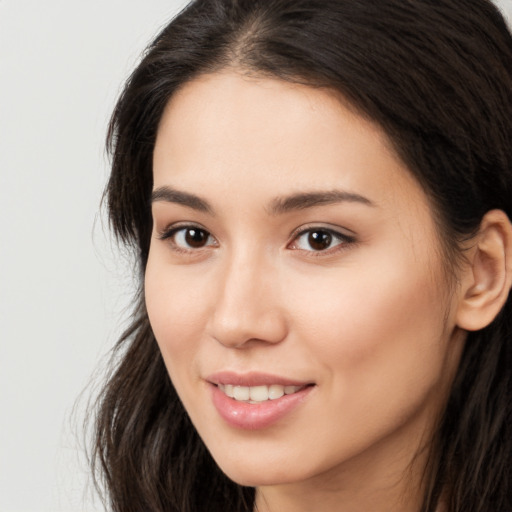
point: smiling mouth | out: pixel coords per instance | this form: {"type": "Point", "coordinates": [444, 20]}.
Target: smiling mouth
{"type": "Point", "coordinates": [258, 394]}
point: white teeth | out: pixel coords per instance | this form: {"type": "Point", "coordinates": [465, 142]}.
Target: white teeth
{"type": "Point", "coordinates": [257, 394]}
{"type": "Point", "coordinates": [275, 391]}
{"type": "Point", "coordinates": [241, 393]}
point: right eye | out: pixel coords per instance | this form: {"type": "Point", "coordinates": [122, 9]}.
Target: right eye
{"type": "Point", "coordinates": [189, 238]}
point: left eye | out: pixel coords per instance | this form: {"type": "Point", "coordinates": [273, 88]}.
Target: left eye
{"type": "Point", "coordinates": [190, 237]}
{"type": "Point", "coordinates": [318, 240]}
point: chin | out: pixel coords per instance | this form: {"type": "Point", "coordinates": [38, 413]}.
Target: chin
{"type": "Point", "coordinates": [262, 474]}
{"type": "Point", "coordinates": [247, 479]}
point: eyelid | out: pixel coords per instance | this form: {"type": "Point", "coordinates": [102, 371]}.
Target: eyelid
{"type": "Point", "coordinates": [171, 230]}
{"type": "Point", "coordinates": [335, 230]}
{"type": "Point", "coordinates": [345, 236]}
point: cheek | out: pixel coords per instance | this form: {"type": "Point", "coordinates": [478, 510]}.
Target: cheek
{"type": "Point", "coordinates": [176, 310]}
{"type": "Point", "coordinates": [375, 324]}
{"type": "Point", "coordinates": [378, 341]}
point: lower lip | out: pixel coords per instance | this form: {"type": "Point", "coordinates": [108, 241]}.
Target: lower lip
{"type": "Point", "coordinates": [256, 416]}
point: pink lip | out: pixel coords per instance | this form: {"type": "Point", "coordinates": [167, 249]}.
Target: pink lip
{"type": "Point", "coordinates": [254, 416]}
{"type": "Point", "coordinates": [252, 379]}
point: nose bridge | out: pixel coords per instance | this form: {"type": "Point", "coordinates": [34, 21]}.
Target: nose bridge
{"type": "Point", "coordinates": [248, 304]}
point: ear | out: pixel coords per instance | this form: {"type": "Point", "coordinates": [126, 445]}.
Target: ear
{"type": "Point", "coordinates": [487, 279]}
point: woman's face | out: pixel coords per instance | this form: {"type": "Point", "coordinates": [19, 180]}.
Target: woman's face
{"type": "Point", "coordinates": [295, 284]}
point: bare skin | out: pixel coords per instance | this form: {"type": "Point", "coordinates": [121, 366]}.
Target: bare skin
{"type": "Point", "coordinates": [290, 240]}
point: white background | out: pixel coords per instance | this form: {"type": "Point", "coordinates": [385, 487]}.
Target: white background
{"type": "Point", "coordinates": [63, 288]}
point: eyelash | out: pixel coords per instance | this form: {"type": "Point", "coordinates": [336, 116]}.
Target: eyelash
{"type": "Point", "coordinates": [170, 233]}
{"type": "Point", "coordinates": [340, 240]}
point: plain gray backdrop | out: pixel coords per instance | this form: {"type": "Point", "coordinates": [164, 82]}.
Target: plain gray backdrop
{"type": "Point", "coordinates": [63, 287]}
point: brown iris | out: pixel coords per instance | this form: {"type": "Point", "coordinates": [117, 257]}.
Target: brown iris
{"type": "Point", "coordinates": [196, 237]}
{"type": "Point", "coordinates": [319, 240]}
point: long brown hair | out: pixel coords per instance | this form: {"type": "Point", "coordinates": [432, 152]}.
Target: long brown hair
{"type": "Point", "coordinates": [437, 76]}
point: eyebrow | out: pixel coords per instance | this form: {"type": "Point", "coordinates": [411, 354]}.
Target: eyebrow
{"type": "Point", "coordinates": [171, 195]}
{"type": "Point", "coordinates": [304, 200]}
{"type": "Point", "coordinates": [279, 205]}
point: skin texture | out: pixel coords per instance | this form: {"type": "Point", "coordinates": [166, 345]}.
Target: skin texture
{"type": "Point", "coordinates": [371, 321]}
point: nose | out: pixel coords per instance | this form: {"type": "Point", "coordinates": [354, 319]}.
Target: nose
{"type": "Point", "coordinates": [248, 307]}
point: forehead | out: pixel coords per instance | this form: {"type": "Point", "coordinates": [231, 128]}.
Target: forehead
{"type": "Point", "coordinates": [224, 131]}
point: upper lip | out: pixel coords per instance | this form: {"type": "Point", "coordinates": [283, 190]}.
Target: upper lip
{"type": "Point", "coordinates": [252, 379]}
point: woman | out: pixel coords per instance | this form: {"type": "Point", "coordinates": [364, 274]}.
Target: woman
{"type": "Point", "coordinates": [319, 193]}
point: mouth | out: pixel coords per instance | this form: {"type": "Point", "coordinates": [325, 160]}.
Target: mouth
{"type": "Point", "coordinates": [255, 400]}
{"type": "Point", "coordinates": [258, 394]}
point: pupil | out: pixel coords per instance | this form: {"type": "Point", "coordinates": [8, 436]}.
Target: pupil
{"type": "Point", "coordinates": [196, 237]}
{"type": "Point", "coordinates": [319, 240]}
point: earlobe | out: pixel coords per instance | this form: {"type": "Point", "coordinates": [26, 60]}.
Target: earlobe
{"type": "Point", "coordinates": [487, 280]}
